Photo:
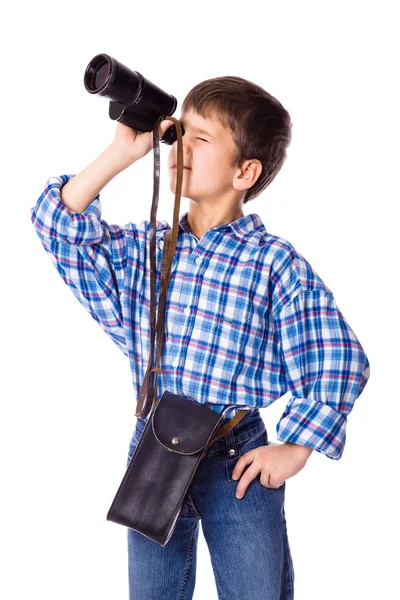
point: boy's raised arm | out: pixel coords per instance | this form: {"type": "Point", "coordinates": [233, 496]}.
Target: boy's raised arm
{"type": "Point", "coordinates": [80, 190]}
{"type": "Point", "coordinates": [90, 254]}
{"type": "Point", "coordinates": [127, 147]}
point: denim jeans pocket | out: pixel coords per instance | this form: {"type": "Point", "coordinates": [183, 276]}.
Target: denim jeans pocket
{"type": "Point", "coordinates": [259, 438]}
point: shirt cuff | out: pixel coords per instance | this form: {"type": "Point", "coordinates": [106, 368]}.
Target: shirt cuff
{"type": "Point", "coordinates": [314, 424]}
{"type": "Point", "coordinates": [53, 218]}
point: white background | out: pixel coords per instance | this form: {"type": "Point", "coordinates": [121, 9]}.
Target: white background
{"type": "Point", "coordinates": [67, 406]}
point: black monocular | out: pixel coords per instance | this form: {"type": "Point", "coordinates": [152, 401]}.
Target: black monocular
{"type": "Point", "coordinates": [134, 100]}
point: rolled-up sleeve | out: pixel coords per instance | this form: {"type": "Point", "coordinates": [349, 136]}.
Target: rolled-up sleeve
{"type": "Point", "coordinates": [89, 254]}
{"type": "Point", "coordinates": [326, 369]}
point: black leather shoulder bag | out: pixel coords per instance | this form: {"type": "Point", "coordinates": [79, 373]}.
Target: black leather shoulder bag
{"type": "Point", "coordinates": [179, 430]}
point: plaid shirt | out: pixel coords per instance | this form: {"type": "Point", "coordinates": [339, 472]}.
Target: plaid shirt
{"type": "Point", "coordinates": [247, 318]}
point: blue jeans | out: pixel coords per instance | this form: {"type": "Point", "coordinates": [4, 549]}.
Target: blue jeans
{"type": "Point", "coordinates": [247, 538]}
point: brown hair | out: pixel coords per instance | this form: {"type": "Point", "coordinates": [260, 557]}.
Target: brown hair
{"type": "Point", "coordinates": [261, 127]}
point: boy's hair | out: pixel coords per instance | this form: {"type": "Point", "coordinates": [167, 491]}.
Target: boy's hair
{"type": "Point", "coordinates": [261, 127]}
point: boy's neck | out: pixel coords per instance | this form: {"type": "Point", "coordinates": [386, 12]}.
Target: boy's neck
{"type": "Point", "coordinates": [200, 221]}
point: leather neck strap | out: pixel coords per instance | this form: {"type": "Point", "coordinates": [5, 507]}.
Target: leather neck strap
{"type": "Point", "coordinates": [148, 394]}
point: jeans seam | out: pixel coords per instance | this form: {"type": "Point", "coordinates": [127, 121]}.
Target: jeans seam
{"type": "Point", "coordinates": [221, 595]}
{"type": "Point", "coordinates": [189, 561]}
{"type": "Point", "coordinates": [288, 562]}
{"type": "Point", "coordinates": [196, 512]}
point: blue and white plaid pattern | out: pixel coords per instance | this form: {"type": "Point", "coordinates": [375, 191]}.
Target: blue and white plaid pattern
{"type": "Point", "coordinates": [247, 317]}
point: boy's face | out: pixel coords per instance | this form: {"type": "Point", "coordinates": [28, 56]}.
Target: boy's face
{"type": "Point", "coordinates": [208, 155]}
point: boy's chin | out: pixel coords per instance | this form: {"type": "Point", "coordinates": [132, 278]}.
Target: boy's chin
{"type": "Point", "coordinates": [183, 193]}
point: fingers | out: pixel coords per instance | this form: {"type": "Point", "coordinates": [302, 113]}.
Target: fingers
{"type": "Point", "coordinates": [251, 473]}
{"type": "Point", "coordinates": [273, 484]}
{"type": "Point", "coordinates": [164, 125]}
{"type": "Point", "coordinates": [244, 460]}
{"type": "Point", "coordinates": [245, 481]}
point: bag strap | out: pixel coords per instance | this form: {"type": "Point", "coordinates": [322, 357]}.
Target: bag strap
{"type": "Point", "coordinates": [148, 394]}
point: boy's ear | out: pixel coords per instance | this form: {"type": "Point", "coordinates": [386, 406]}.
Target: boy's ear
{"type": "Point", "coordinates": [249, 173]}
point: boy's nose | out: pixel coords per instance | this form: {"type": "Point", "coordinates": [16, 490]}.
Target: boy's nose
{"type": "Point", "coordinates": [184, 147]}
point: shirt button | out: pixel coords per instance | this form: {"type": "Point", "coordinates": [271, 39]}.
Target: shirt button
{"type": "Point", "coordinates": [187, 311]}
{"type": "Point", "coordinates": [162, 244]}
{"type": "Point", "coordinates": [232, 451]}
{"type": "Point", "coordinates": [198, 260]}
{"type": "Point", "coordinates": [175, 363]}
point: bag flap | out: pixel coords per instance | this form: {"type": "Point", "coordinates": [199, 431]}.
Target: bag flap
{"type": "Point", "coordinates": [182, 424]}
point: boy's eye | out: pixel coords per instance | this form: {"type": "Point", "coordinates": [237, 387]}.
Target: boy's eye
{"type": "Point", "coordinates": [199, 138]}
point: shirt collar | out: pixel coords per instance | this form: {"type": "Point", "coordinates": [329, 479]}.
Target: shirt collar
{"type": "Point", "coordinates": [249, 227]}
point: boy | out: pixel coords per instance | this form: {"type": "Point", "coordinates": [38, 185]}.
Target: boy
{"type": "Point", "coordinates": [247, 319]}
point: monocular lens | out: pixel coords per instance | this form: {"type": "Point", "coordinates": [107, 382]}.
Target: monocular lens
{"type": "Point", "coordinates": [101, 76]}
{"type": "Point", "coordinates": [97, 74]}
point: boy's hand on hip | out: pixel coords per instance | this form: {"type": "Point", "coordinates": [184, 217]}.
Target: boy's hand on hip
{"type": "Point", "coordinates": [275, 463]}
